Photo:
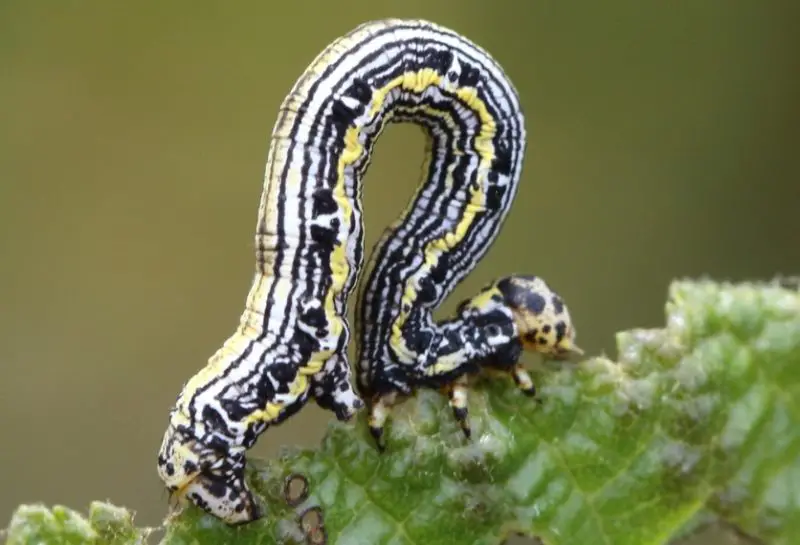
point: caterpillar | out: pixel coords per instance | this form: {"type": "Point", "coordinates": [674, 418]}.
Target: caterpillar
{"type": "Point", "coordinates": [291, 342]}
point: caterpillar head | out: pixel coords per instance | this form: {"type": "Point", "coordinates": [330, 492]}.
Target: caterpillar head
{"type": "Point", "coordinates": [209, 478]}
{"type": "Point", "coordinates": [541, 317]}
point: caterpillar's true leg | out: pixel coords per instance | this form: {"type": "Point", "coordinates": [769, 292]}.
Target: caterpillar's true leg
{"type": "Point", "coordinates": [457, 391]}
{"type": "Point", "coordinates": [523, 380]}
{"type": "Point", "coordinates": [378, 414]}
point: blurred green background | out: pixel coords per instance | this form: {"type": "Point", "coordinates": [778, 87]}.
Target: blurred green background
{"type": "Point", "coordinates": [132, 142]}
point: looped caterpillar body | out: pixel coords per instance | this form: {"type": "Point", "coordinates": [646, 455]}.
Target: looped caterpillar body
{"type": "Point", "coordinates": [292, 338]}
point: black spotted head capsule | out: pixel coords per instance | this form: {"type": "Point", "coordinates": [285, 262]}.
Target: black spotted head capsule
{"type": "Point", "coordinates": [212, 481]}
{"type": "Point", "coordinates": [541, 316]}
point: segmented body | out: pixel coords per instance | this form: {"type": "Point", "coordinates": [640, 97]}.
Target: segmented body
{"type": "Point", "coordinates": [472, 115]}
{"type": "Point", "coordinates": [292, 339]}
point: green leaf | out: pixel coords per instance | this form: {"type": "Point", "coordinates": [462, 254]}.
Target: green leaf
{"type": "Point", "coordinates": [697, 421]}
{"type": "Point", "coordinates": [108, 524]}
